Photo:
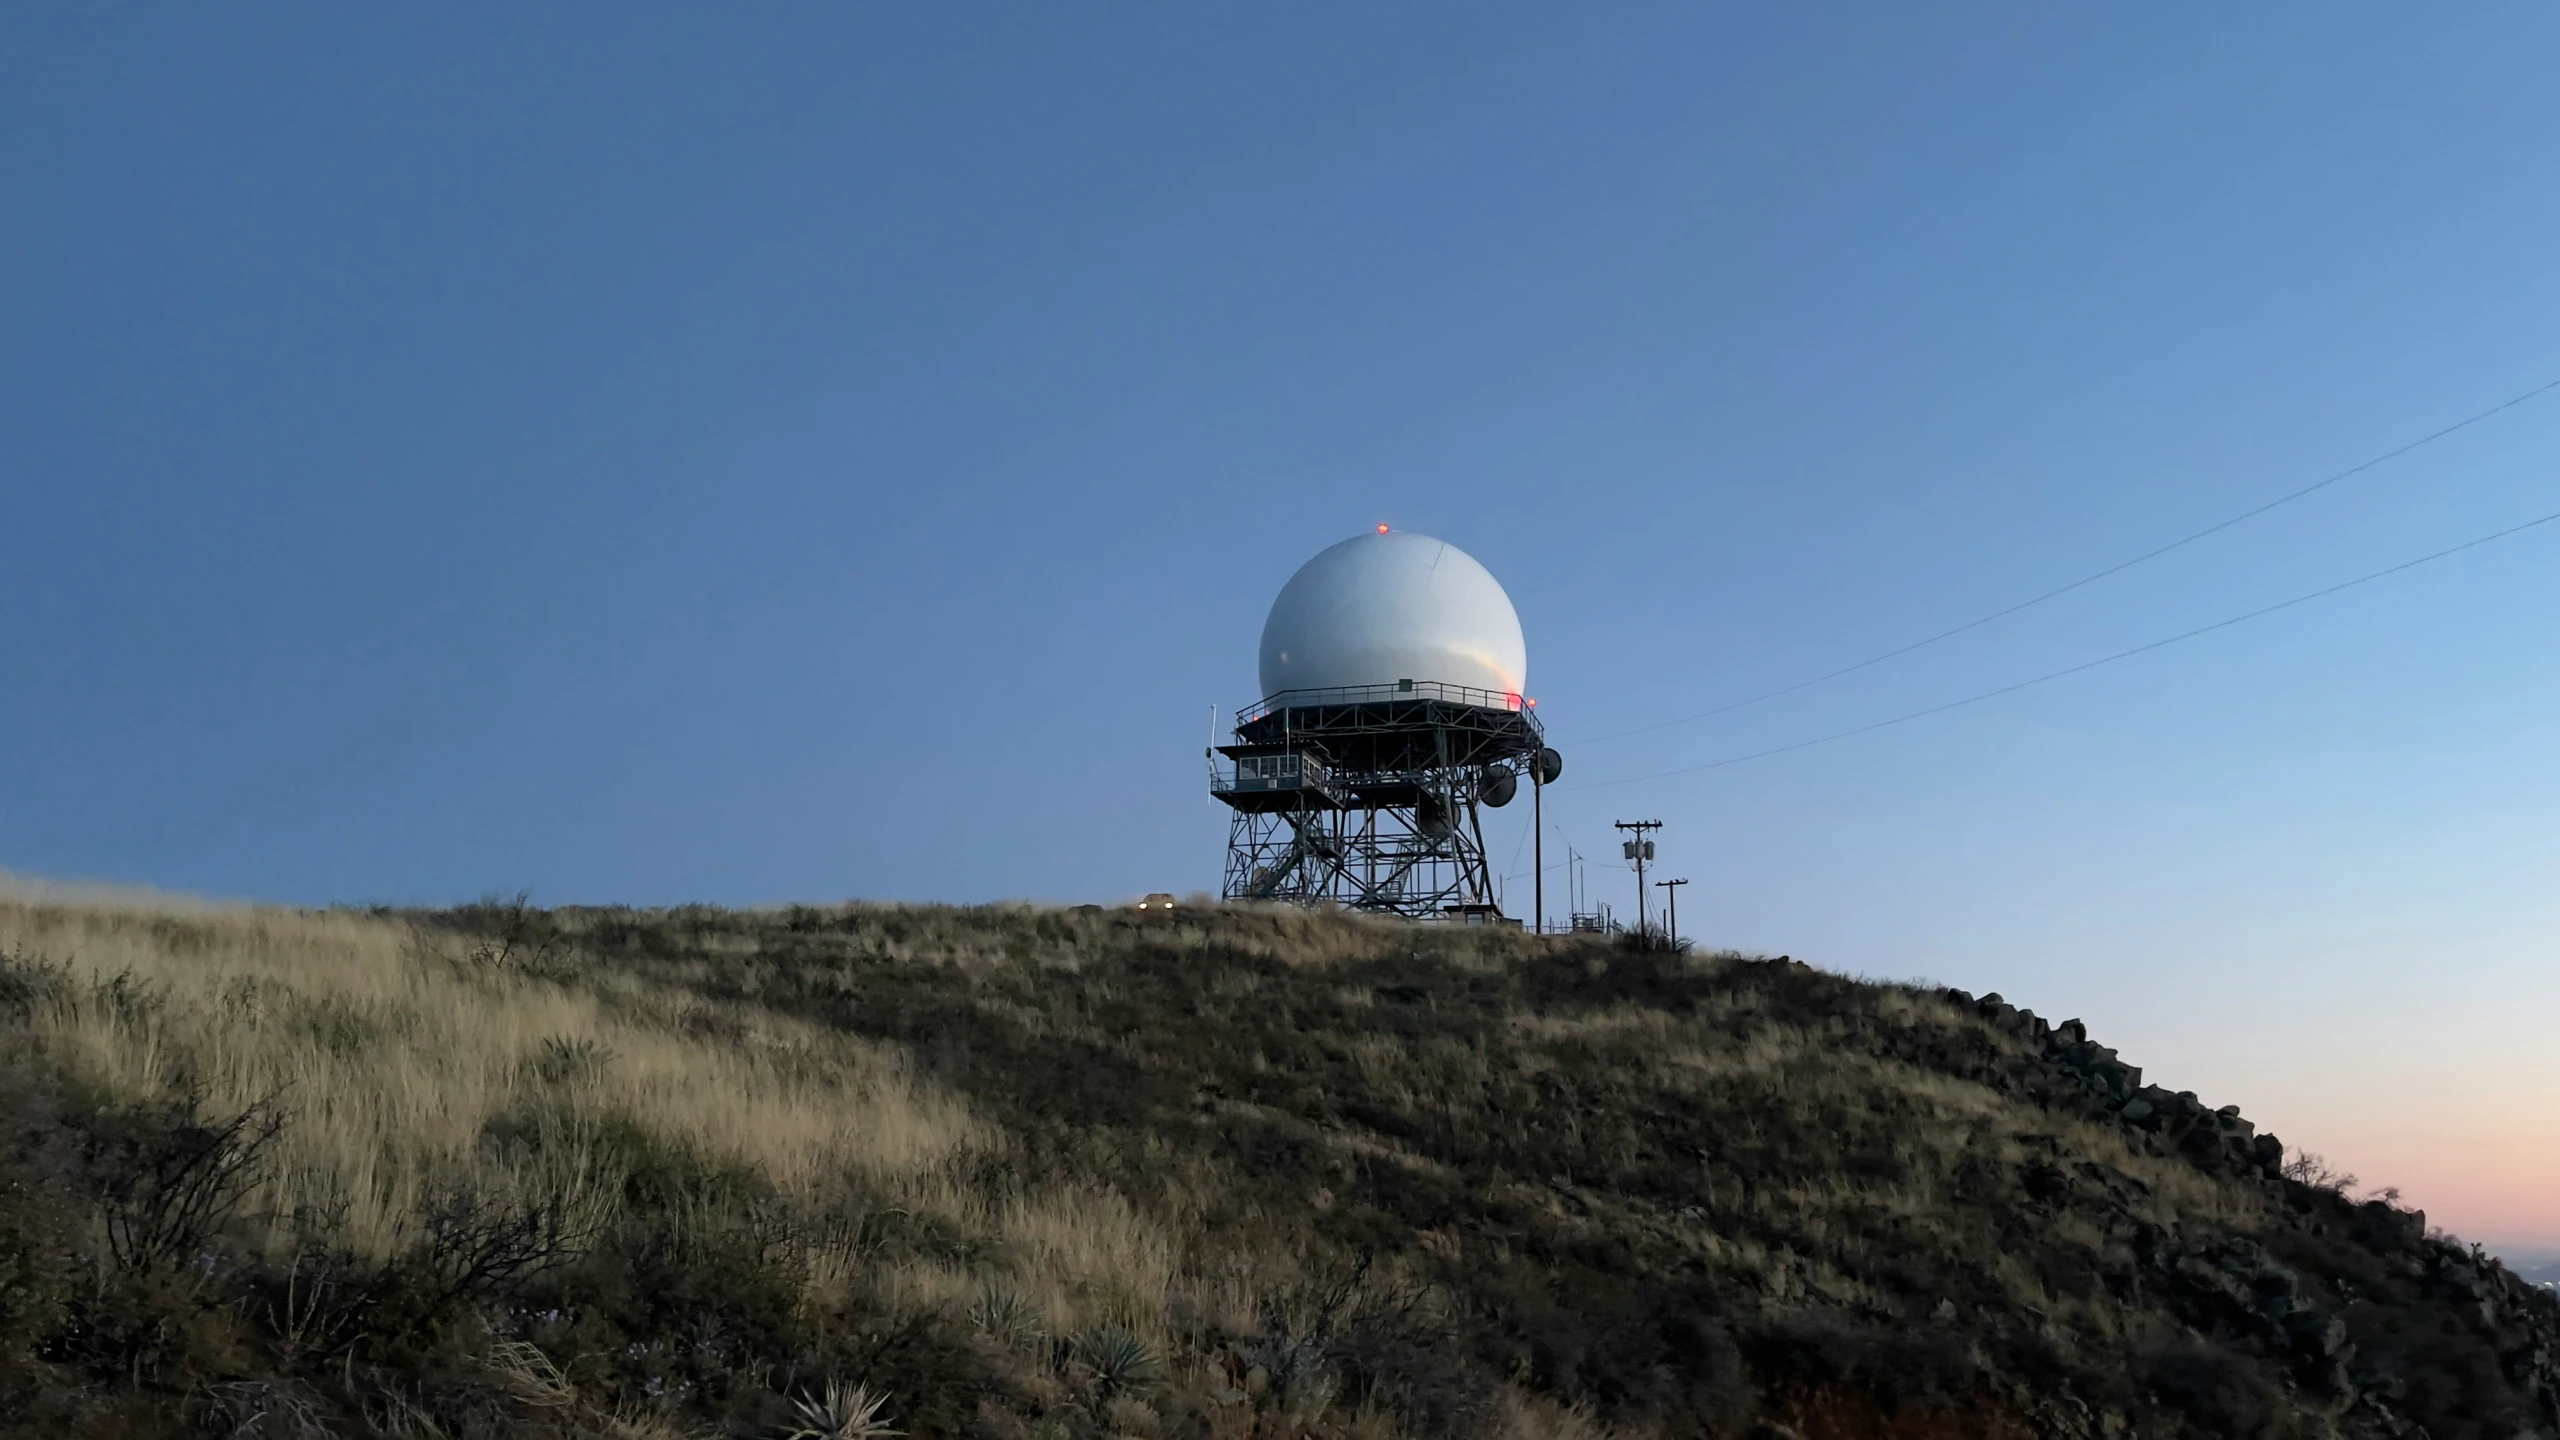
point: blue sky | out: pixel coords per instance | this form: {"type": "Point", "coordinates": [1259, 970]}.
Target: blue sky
{"type": "Point", "coordinates": [653, 455]}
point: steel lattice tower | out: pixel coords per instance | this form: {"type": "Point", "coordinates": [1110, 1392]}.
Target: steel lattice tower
{"type": "Point", "coordinates": [1369, 797]}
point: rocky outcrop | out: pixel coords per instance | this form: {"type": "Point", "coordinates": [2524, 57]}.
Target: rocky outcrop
{"type": "Point", "coordinates": [2320, 1285]}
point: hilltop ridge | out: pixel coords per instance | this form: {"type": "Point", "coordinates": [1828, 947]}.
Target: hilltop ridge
{"type": "Point", "coordinates": [1229, 1172]}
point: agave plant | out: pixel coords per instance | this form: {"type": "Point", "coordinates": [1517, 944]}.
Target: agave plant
{"type": "Point", "coordinates": [1120, 1361]}
{"type": "Point", "coordinates": [845, 1412]}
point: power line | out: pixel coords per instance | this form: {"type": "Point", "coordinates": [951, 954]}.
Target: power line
{"type": "Point", "coordinates": [2088, 664]}
{"type": "Point", "coordinates": [2091, 579]}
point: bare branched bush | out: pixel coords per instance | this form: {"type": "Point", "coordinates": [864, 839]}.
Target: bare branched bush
{"type": "Point", "coordinates": [509, 933]}
{"type": "Point", "coordinates": [170, 1183]}
{"type": "Point", "coordinates": [2307, 1168]}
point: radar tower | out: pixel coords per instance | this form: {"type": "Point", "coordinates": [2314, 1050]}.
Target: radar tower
{"type": "Point", "coordinates": [1361, 776]}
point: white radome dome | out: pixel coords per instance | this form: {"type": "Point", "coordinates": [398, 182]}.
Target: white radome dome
{"type": "Point", "coordinates": [1390, 606]}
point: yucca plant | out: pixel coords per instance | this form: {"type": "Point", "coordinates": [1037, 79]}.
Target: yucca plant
{"type": "Point", "coordinates": [845, 1412]}
{"type": "Point", "coordinates": [1006, 1315]}
{"type": "Point", "coordinates": [565, 1058]}
{"type": "Point", "coordinates": [1120, 1361]}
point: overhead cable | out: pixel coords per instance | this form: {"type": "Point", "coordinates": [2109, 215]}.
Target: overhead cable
{"type": "Point", "coordinates": [2090, 579]}
{"type": "Point", "coordinates": [2012, 689]}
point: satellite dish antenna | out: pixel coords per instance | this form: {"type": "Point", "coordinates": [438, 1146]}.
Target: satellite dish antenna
{"type": "Point", "coordinates": [1431, 816]}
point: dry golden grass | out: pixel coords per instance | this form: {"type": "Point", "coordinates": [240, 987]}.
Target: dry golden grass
{"type": "Point", "coordinates": [1305, 1176]}
{"type": "Point", "coordinates": [397, 1054]}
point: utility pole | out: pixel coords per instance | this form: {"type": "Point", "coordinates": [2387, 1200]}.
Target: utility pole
{"type": "Point", "coordinates": [1639, 849]}
{"type": "Point", "coordinates": [1544, 767]}
{"type": "Point", "coordinates": [1671, 896]}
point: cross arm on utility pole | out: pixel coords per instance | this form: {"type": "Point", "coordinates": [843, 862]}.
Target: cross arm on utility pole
{"type": "Point", "coordinates": [1671, 895]}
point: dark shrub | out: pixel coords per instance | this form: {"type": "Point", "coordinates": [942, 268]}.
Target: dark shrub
{"type": "Point", "coordinates": [2214, 1392]}
{"type": "Point", "coordinates": [1898, 1365]}
{"type": "Point", "coordinates": [40, 1205]}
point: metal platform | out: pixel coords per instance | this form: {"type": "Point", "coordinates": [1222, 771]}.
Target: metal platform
{"type": "Point", "coordinates": [1370, 797]}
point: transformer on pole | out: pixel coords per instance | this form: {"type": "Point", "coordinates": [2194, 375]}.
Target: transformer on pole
{"type": "Point", "coordinates": [1639, 851]}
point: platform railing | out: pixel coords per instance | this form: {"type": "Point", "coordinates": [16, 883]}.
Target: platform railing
{"type": "Point", "coordinates": [1256, 774]}
{"type": "Point", "coordinates": [1371, 694]}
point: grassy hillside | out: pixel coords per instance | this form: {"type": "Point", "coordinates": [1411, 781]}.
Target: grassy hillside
{"type": "Point", "coordinates": [1239, 1173]}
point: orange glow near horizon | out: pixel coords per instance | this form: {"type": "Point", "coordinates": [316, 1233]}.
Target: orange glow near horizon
{"type": "Point", "coordinates": [1382, 529]}
{"type": "Point", "coordinates": [2488, 1176]}
{"type": "Point", "coordinates": [2411, 1100]}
